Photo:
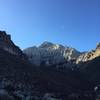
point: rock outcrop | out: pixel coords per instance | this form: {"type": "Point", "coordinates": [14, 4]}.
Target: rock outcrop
{"type": "Point", "coordinates": [89, 55]}
{"type": "Point", "coordinates": [7, 44]}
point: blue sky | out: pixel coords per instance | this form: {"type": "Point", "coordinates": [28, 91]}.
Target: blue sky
{"type": "Point", "coordinates": [75, 23]}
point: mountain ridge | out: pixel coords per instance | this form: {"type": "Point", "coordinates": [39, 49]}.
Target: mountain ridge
{"type": "Point", "coordinates": [46, 52]}
{"type": "Point", "coordinates": [7, 44]}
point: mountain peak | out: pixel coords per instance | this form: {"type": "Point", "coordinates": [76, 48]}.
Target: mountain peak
{"type": "Point", "coordinates": [46, 44]}
{"type": "Point", "coordinates": [4, 37]}
{"type": "Point", "coordinates": [7, 44]}
{"type": "Point", "coordinates": [51, 45]}
{"type": "Point", "coordinates": [98, 45]}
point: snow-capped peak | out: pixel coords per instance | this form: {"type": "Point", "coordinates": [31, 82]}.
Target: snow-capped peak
{"type": "Point", "coordinates": [50, 45]}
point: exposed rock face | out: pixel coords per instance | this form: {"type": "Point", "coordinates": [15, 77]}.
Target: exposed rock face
{"type": "Point", "coordinates": [7, 44]}
{"type": "Point", "coordinates": [49, 54]}
{"type": "Point", "coordinates": [89, 55]}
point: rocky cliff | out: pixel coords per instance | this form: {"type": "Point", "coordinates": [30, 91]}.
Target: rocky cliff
{"type": "Point", "coordinates": [89, 55]}
{"type": "Point", "coordinates": [7, 44]}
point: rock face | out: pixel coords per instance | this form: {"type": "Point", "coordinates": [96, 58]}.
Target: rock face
{"type": "Point", "coordinates": [49, 54]}
{"type": "Point", "coordinates": [89, 55]}
{"type": "Point", "coordinates": [7, 44]}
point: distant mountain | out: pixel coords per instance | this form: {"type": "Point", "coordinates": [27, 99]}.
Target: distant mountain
{"type": "Point", "coordinates": [49, 54]}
